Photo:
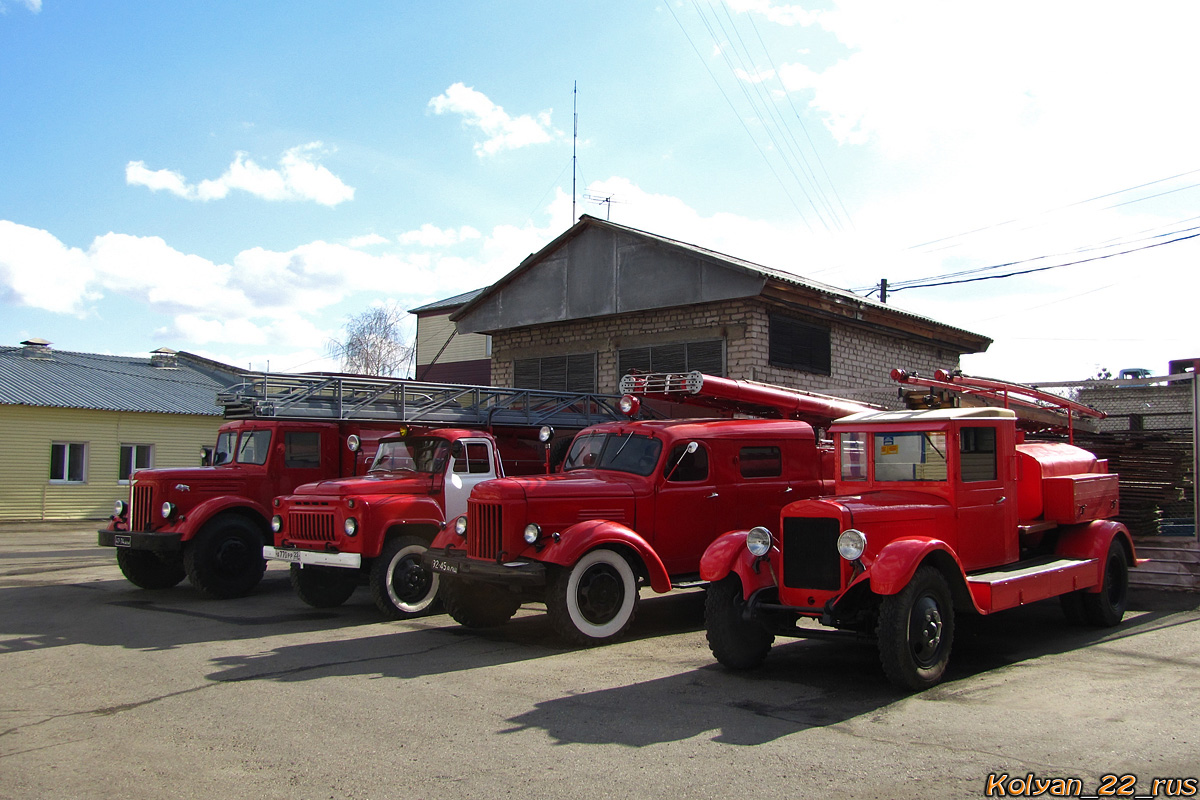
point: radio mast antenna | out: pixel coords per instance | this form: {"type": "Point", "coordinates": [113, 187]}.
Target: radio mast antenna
{"type": "Point", "coordinates": [574, 145]}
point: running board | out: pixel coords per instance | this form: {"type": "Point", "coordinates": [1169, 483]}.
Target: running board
{"type": "Point", "coordinates": [1032, 581]}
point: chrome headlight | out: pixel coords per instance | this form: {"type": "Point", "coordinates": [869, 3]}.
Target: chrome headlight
{"type": "Point", "coordinates": [533, 532]}
{"type": "Point", "coordinates": [350, 526]}
{"type": "Point", "coordinates": [851, 544]}
{"type": "Point", "coordinates": [168, 509]}
{"type": "Point", "coordinates": [460, 526]}
{"type": "Point", "coordinates": [545, 434]}
{"type": "Point", "coordinates": [119, 508]}
{"type": "Point", "coordinates": [353, 443]}
{"type": "Point", "coordinates": [276, 524]}
{"type": "Point", "coordinates": [758, 541]}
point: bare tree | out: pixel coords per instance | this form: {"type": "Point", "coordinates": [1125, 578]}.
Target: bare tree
{"type": "Point", "coordinates": [374, 343]}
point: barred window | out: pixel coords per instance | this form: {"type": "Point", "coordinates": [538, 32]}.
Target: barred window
{"type": "Point", "coordinates": [799, 345]}
{"type": "Point", "coordinates": [707, 357]}
{"type": "Point", "coordinates": [570, 373]}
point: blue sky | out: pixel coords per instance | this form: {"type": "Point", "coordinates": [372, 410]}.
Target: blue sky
{"type": "Point", "coordinates": [236, 179]}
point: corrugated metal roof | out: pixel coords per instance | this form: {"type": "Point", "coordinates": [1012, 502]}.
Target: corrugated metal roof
{"type": "Point", "coordinates": [449, 302]}
{"type": "Point", "coordinates": [59, 379]}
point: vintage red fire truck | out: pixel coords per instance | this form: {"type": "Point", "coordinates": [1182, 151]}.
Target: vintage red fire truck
{"type": "Point", "coordinates": [635, 504]}
{"type": "Point", "coordinates": [373, 529]}
{"type": "Point", "coordinates": [936, 513]}
{"type": "Point", "coordinates": [211, 523]}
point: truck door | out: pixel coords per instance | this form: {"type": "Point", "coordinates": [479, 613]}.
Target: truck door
{"type": "Point", "coordinates": [764, 485]}
{"type": "Point", "coordinates": [987, 503]}
{"type": "Point", "coordinates": [693, 507]}
{"type": "Point", "coordinates": [471, 462]}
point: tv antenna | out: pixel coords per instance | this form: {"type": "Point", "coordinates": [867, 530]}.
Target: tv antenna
{"type": "Point", "coordinates": [605, 200]}
{"type": "Point", "coordinates": [574, 145]}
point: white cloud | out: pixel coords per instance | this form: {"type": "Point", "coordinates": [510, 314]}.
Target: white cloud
{"type": "Point", "coordinates": [431, 236]}
{"type": "Point", "coordinates": [299, 177]}
{"type": "Point", "coordinates": [781, 14]}
{"type": "Point", "coordinates": [368, 240]}
{"type": "Point", "coordinates": [38, 270]}
{"type": "Point", "coordinates": [503, 131]}
{"type": "Point", "coordinates": [33, 5]}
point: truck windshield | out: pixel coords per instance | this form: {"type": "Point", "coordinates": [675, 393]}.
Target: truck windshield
{"type": "Point", "coordinates": [226, 442]}
{"type": "Point", "coordinates": [910, 456]}
{"type": "Point", "coordinates": [627, 452]}
{"type": "Point", "coordinates": [425, 454]}
{"type": "Point", "coordinates": [254, 447]}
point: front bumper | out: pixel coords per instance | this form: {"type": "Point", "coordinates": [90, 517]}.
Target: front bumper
{"type": "Point", "coordinates": [317, 558]}
{"type": "Point", "coordinates": [510, 573]}
{"type": "Point", "coordinates": [141, 540]}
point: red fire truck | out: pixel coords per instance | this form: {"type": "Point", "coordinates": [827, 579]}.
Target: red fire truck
{"type": "Point", "coordinates": [338, 534]}
{"type": "Point", "coordinates": [635, 504]}
{"type": "Point", "coordinates": [211, 523]}
{"type": "Point", "coordinates": [936, 512]}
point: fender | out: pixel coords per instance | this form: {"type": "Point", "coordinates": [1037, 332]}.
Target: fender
{"type": "Point", "coordinates": [893, 568]}
{"type": "Point", "coordinates": [446, 537]}
{"type": "Point", "coordinates": [583, 536]}
{"type": "Point", "coordinates": [398, 510]}
{"type": "Point", "coordinates": [1092, 540]}
{"type": "Point", "coordinates": [196, 519]}
{"type": "Point", "coordinates": [728, 554]}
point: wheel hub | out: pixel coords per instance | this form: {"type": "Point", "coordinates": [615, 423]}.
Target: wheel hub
{"type": "Point", "coordinates": [600, 594]}
{"type": "Point", "coordinates": [927, 628]}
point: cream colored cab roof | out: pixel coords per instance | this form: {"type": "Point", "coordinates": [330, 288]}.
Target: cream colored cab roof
{"type": "Point", "coordinates": [930, 415]}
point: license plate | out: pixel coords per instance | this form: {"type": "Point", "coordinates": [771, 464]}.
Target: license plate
{"type": "Point", "coordinates": [288, 555]}
{"type": "Point", "coordinates": [123, 540]}
{"type": "Point", "coordinates": [444, 566]}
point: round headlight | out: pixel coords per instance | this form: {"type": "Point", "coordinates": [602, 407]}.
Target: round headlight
{"type": "Point", "coordinates": [350, 526]}
{"type": "Point", "coordinates": [628, 405]}
{"type": "Point", "coordinates": [353, 443]}
{"type": "Point", "coordinates": [758, 541]}
{"type": "Point", "coordinates": [276, 523]}
{"type": "Point", "coordinates": [851, 544]}
{"type": "Point", "coordinates": [119, 508]}
{"type": "Point", "coordinates": [460, 526]}
{"type": "Point", "coordinates": [545, 434]}
{"type": "Point", "coordinates": [167, 510]}
{"type": "Point", "coordinates": [533, 532]}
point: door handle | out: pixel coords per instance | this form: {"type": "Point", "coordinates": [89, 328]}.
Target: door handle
{"type": "Point", "coordinates": [711, 496]}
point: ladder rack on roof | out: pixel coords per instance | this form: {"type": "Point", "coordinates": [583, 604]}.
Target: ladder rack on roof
{"type": "Point", "coordinates": [343, 397]}
{"type": "Point", "coordinates": [1035, 409]}
{"type": "Point", "coordinates": [746, 397]}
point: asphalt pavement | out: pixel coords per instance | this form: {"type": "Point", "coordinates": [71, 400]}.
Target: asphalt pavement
{"type": "Point", "coordinates": [110, 691]}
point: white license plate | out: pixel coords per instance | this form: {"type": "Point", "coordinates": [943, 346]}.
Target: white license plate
{"type": "Point", "coordinates": [443, 566]}
{"type": "Point", "coordinates": [123, 540]}
{"type": "Point", "coordinates": [287, 555]}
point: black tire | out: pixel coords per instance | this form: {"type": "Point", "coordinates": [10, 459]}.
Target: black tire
{"type": "Point", "coordinates": [225, 559]}
{"type": "Point", "coordinates": [323, 587]}
{"type": "Point", "coordinates": [400, 586]}
{"type": "Point", "coordinates": [478, 605]}
{"type": "Point", "coordinates": [1072, 608]}
{"type": "Point", "coordinates": [1105, 608]}
{"type": "Point", "coordinates": [149, 570]}
{"type": "Point", "coordinates": [736, 642]}
{"type": "Point", "coordinates": [916, 631]}
{"type": "Point", "coordinates": [593, 601]}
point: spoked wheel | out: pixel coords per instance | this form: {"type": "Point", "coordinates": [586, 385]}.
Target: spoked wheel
{"type": "Point", "coordinates": [593, 601]}
{"type": "Point", "coordinates": [916, 631]}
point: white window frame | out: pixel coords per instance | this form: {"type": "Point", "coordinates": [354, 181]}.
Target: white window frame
{"type": "Point", "coordinates": [133, 466]}
{"type": "Point", "coordinates": [66, 464]}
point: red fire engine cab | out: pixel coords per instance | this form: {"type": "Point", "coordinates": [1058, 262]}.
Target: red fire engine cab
{"type": "Point", "coordinates": [635, 504]}
{"type": "Point", "coordinates": [936, 512]}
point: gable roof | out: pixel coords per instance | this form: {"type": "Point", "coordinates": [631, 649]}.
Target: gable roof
{"type": "Point", "coordinates": [39, 376]}
{"type": "Point", "coordinates": [448, 303]}
{"type": "Point", "coordinates": [643, 271]}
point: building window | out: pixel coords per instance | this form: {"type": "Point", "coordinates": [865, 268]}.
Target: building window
{"type": "Point", "coordinates": [707, 357]}
{"type": "Point", "coordinates": [798, 345]}
{"type": "Point", "coordinates": [573, 373]}
{"type": "Point", "coordinates": [68, 462]}
{"type": "Point", "coordinates": [135, 457]}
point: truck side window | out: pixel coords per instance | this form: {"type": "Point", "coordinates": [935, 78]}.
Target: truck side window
{"type": "Point", "coordinates": [977, 454]}
{"type": "Point", "coordinates": [302, 449]}
{"type": "Point", "coordinates": [853, 455]}
{"type": "Point", "coordinates": [910, 456]}
{"type": "Point", "coordinates": [472, 458]}
{"type": "Point", "coordinates": [691, 466]}
{"type": "Point", "coordinates": [760, 462]}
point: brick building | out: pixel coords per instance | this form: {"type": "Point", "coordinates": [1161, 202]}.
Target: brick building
{"type": "Point", "coordinates": [604, 299]}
